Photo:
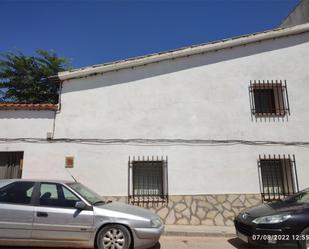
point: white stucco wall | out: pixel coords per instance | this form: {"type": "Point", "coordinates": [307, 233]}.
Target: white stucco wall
{"type": "Point", "coordinates": [203, 96]}
{"type": "Point", "coordinates": [198, 97]}
{"type": "Point", "coordinates": [298, 16]}
{"type": "Point", "coordinates": [25, 123]}
{"type": "Point", "coordinates": [191, 170]}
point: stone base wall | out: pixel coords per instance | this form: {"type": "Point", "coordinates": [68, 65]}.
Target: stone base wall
{"type": "Point", "coordinates": [216, 210]}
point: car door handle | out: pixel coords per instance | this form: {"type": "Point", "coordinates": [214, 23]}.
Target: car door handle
{"type": "Point", "coordinates": [42, 214]}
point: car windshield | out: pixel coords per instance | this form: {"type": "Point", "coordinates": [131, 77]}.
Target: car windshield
{"type": "Point", "coordinates": [300, 198]}
{"type": "Point", "coordinates": [87, 193]}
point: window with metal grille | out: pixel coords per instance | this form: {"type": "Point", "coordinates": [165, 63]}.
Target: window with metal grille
{"type": "Point", "coordinates": [269, 98]}
{"type": "Point", "coordinates": [278, 177]}
{"type": "Point", "coordinates": [11, 164]}
{"type": "Point", "coordinates": [147, 180]}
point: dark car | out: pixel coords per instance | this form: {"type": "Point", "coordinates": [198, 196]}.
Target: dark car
{"type": "Point", "coordinates": [280, 222]}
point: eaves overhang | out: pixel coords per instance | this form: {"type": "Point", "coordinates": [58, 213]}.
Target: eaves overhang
{"type": "Point", "coordinates": [182, 52]}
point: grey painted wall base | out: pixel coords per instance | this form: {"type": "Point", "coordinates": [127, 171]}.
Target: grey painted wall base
{"type": "Point", "coordinates": [213, 210]}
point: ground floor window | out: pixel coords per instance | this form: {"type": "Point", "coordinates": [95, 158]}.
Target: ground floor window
{"type": "Point", "coordinates": [11, 164]}
{"type": "Point", "coordinates": [278, 176]}
{"type": "Point", "coordinates": [147, 180]}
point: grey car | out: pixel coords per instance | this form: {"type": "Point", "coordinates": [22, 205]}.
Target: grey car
{"type": "Point", "coordinates": [68, 214]}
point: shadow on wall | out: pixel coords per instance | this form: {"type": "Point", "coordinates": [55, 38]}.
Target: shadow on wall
{"type": "Point", "coordinates": [24, 114]}
{"type": "Point", "coordinates": [179, 64]}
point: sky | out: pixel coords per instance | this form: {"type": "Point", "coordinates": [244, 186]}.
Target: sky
{"type": "Point", "coordinates": [89, 32]}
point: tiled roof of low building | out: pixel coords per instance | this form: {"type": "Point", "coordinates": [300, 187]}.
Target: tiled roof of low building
{"type": "Point", "coordinates": [12, 106]}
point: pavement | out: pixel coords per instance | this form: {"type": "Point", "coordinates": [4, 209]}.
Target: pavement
{"type": "Point", "coordinates": [195, 237]}
{"type": "Point", "coordinates": [200, 230]}
{"type": "Point", "coordinates": [180, 242]}
{"type": "Point", "coordinates": [187, 242]}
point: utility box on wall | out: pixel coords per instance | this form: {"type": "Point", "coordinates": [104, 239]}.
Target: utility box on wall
{"type": "Point", "coordinates": [69, 162]}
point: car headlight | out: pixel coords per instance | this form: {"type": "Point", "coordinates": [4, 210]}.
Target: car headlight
{"type": "Point", "coordinates": [156, 222]}
{"type": "Point", "coordinates": [272, 219]}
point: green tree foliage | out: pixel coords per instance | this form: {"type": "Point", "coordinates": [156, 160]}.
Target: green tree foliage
{"type": "Point", "coordinates": [27, 79]}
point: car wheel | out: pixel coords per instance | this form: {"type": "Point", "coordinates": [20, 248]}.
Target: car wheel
{"type": "Point", "coordinates": [114, 237]}
{"type": "Point", "coordinates": [304, 244]}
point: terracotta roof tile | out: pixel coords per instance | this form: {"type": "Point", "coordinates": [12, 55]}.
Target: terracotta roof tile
{"type": "Point", "coordinates": [51, 107]}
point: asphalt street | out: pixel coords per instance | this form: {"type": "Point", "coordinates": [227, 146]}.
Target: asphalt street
{"type": "Point", "coordinates": [171, 242]}
{"type": "Point", "coordinates": [204, 242]}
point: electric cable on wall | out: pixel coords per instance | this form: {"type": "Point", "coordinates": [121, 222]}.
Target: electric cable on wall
{"type": "Point", "coordinates": [154, 142]}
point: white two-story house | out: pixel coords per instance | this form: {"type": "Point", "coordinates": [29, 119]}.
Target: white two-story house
{"type": "Point", "coordinates": [196, 134]}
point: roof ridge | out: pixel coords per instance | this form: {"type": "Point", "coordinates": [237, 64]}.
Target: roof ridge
{"type": "Point", "coordinates": [183, 51]}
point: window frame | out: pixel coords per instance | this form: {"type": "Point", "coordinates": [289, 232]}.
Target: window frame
{"type": "Point", "coordinates": [286, 181]}
{"type": "Point", "coordinates": [32, 198]}
{"type": "Point", "coordinates": [12, 159]}
{"type": "Point", "coordinates": [150, 198]}
{"type": "Point", "coordinates": [280, 99]}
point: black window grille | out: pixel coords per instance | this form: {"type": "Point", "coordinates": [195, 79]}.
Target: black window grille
{"type": "Point", "coordinates": [269, 98]}
{"type": "Point", "coordinates": [277, 176]}
{"type": "Point", "coordinates": [148, 180]}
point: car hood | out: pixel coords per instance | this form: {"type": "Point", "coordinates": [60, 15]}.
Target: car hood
{"type": "Point", "coordinates": [125, 209]}
{"type": "Point", "coordinates": [274, 208]}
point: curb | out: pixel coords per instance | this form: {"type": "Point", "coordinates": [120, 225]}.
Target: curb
{"type": "Point", "coordinates": [199, 231]}
{"type": "Point", "coordinates": [197, 234]}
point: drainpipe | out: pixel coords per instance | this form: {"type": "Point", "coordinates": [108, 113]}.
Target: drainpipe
{"type": "Point", "coordinates": [50, 135]}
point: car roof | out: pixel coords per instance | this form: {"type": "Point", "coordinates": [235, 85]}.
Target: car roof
{"type": "Point", "coordinates": [4, 182]}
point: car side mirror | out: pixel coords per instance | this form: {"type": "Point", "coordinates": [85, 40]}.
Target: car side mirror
{"type": "Point", "coordinates": [80, 205]}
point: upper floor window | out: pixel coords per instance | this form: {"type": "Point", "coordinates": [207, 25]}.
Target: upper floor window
{"type": "Point", "coordinates": [148, 180]}
{"type": "Point", "coordinates": [278, 176]}
{"type": "Point", "coordinates": [269, 99]}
